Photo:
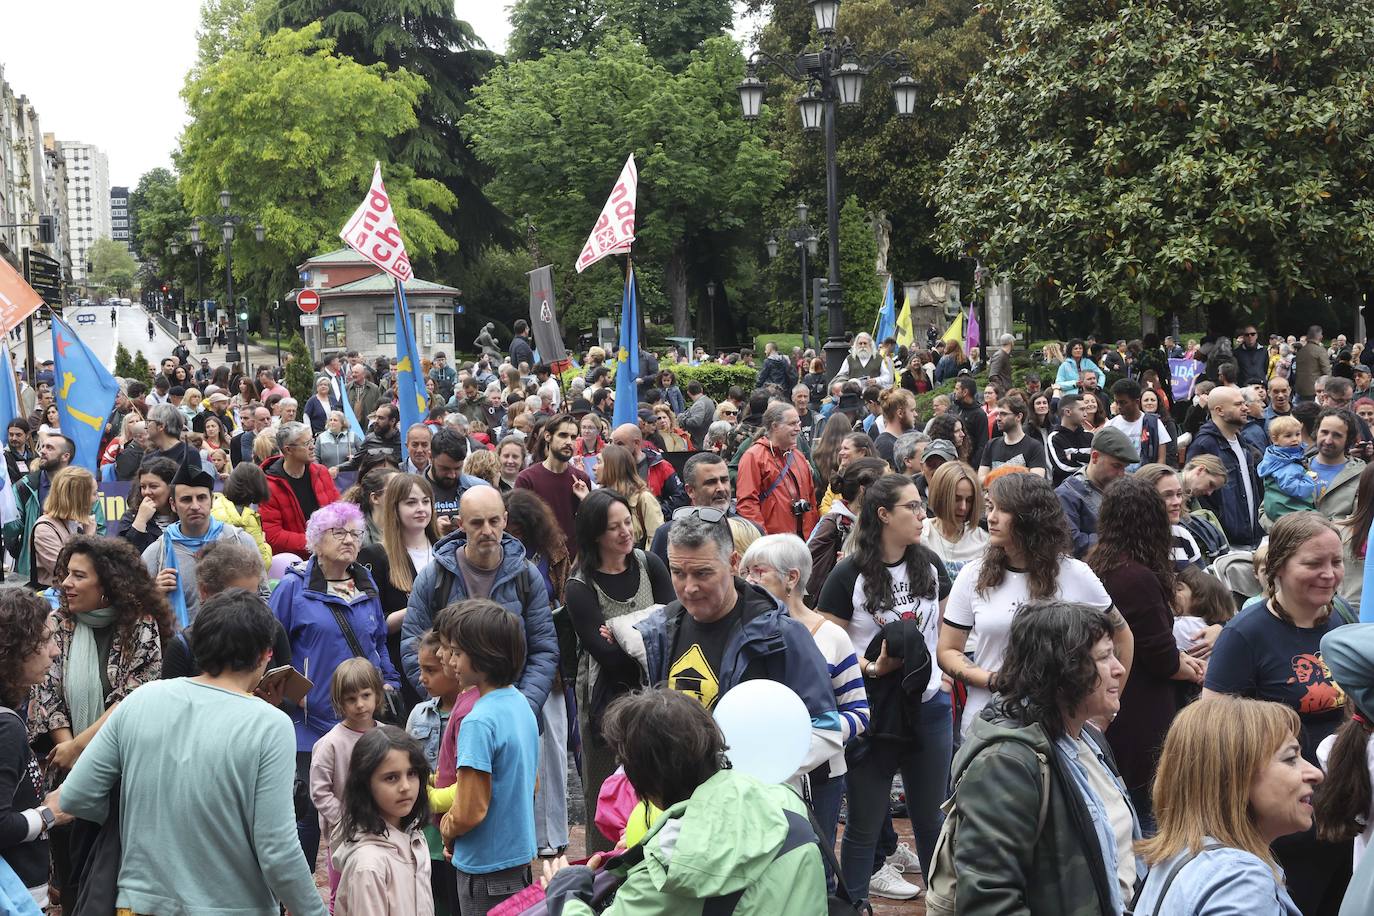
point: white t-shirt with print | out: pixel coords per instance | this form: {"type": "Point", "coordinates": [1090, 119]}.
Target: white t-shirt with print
{"type": "Point", "coordinates": [989, 615]}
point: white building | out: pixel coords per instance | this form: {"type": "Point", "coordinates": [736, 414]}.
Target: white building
{"type": "Point", "coordinates": [88, 200]}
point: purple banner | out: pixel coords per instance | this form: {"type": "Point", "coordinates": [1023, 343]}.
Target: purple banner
{"type": "Point", "coordinates": [1183, 373]}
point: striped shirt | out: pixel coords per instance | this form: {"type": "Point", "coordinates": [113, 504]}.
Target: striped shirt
{"type": "Point", "coordinates": [851, 699]}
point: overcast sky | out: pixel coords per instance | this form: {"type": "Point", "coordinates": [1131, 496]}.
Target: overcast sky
{"type": "Point", "coordinates": [109, 72]}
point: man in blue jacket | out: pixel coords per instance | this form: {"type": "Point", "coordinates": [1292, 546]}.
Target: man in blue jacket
{"type": "Point", "coordinates": [722, 631]}
{"type": "Point", "coordinates": [481, 561]}
{"type": "Point", "coordinates": [1081, 494]}
{"type": "Point", "coordinates": [1237, 503]}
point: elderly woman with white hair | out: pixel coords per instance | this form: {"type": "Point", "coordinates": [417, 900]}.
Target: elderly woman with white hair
{"type": "Point", "coordinates": [781, 563]}
{"type": "Point", "coordinates": [330, 609]}
{"type": "Point", "coordinates": [866, 365]}
{"type": "Point", "coordinates": [336, 443]}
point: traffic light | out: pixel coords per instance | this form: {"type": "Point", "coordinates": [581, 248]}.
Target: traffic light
{"type": "Point", "coordinates": [164, 288]}
{"type": "Point", "coordinates": [47, 229]}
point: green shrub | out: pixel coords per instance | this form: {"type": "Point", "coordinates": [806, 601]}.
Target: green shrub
{"type": "Point", "coordinates": [122, 362]}
{"type": "Point", "coordinates": [300, 372]}
{"type": "Point", "coordinates": [140, 369]}
{"type": "Point", "coordinates": [715, 379]}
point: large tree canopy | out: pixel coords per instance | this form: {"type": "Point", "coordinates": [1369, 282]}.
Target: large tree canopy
{"type": "Point", "coordinates": [556, 131]}
{"type": "Point", "coordinates": [423, 37]}
{"type": "Point", "coordinates": [669, 29]}
{"type": "Point", "coordinates": [1165, 155]}
{"type": "Point", "coordinates": [292, 129]}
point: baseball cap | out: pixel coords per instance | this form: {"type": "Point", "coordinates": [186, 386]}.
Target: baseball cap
{"type": "Point", "coordinates": [939, 448]}
{"type": "Point", "coordinates": [1362, 369]}
{"type": "Point", "coordinates": [1113, 442]}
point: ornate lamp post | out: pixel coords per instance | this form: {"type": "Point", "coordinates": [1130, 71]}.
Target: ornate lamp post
{"type": "Point", "coordinates": [833, 77]}
{"type": "Point", "coordinates": [803, 238]}
{"type": "Point", "coordinates": [228, 223]}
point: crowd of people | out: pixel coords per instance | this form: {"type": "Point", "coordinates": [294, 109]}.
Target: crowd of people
{"type": "Point", "coordinates": [1095, 637]}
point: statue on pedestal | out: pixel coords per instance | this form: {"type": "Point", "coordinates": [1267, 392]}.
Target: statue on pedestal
{"type": "Point", "coordinates": [882, 232]}
{"type": "Point", "coordinates": [485, 342]}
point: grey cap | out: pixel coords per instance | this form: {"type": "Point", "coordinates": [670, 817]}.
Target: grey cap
{"type": "Point", "coordinates": [1113, 442]}
{"type": "Point", "coordinates": [939, 448]}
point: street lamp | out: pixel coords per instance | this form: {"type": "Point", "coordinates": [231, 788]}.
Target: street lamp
{"type": "Point", "coordinates": [833, 77]}
{"type": "Point", "coordinates": [228, 223]}
{"type": "Point", "coordinates": [803, 238]}
{"type": "Point", "coordinates": [711, 297]}
{"type": "Point", "coordinates": [174, 249]}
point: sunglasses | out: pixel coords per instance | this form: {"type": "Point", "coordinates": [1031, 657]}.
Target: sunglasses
{"type": "Point", "coordinates": [707, 514]}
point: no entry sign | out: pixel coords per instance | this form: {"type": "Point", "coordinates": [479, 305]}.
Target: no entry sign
{"type": "Point", "coordinates": [308, 300]}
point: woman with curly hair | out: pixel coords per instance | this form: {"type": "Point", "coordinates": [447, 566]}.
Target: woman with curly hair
{"type": "Point", "coordinates": [1028, 559]}
{"type": "Point", "coordinates": [27, 652]}
{"type": "Point", "coordinates": [110, 626]}
{"type": "Point", "coordinates": [885, 594]}
{"type": "Point", "coordinates": [949, 427]}
{"type": "Point", "coordinates": [1133, 557]}
{"type": "Point", "coordinates": [1046, 827]}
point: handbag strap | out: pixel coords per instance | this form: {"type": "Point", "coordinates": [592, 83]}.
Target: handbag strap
{"type": "Point", "coordinates": [1169, 880]}
{"type": "Point", "coordinates": [349, 636]}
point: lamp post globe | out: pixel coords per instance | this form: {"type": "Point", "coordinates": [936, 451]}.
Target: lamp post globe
{"type": "Point", "coordinates": [849, 81]}
{"type": "Point", "coordinates": [905, 96]}
{"type": "Point", "coordinates": [751, 90]}
{"type": "Point", "coordinates": [826, 12]}
{"type": "Point", "coordinates": [772, 244]}
{"type": "Point", "coordinates": [811, 104]}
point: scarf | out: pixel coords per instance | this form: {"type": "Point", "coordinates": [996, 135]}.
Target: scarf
{"type": "Point", "coordinates": [81, 678]}
{"type": "Point", "coordinates": [173, 537]}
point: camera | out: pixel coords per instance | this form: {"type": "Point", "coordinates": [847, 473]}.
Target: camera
{"type": "Point", "coordinates": [800, 507]}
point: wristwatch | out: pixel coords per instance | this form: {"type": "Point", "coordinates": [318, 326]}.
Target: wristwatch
{"type": "Point", "coordinates": [49, 819]}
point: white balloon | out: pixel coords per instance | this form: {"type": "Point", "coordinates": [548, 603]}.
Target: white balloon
{"type": "Point", "coordinates": [767, 729]}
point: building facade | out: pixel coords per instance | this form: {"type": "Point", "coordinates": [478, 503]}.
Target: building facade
{"type": "Point", "coordinates": [356, 308]}
{"type": "Point", "coordinates": [22, 175]}
{"type": "Point", "coordinates": [119, 216]}
{"type": "Point", "coordinates": [55, 192]}
{"type": "Point", "coordinates": [88, 201]}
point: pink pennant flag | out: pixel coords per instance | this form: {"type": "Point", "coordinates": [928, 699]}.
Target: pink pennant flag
{"type": "Point", "coordinates": [974, 332]}
{"type": "Point", "coordinates": [372, 231]}
{"type": "Point", "coordinates": [614, 231]}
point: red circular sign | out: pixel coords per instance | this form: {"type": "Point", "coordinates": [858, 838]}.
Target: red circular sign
{"type": "Point", "coordinates": [308, 300]}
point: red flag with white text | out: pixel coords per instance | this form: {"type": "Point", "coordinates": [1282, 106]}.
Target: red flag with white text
{"type": "Point", "coordinates": [614, 231]}
{"type": "Point", "coordinates": [373, 232]}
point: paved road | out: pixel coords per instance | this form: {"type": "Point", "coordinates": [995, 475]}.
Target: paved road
{"type": "Point", "coordinates": [130, 329]}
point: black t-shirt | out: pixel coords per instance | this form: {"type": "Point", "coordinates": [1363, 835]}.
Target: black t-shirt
{"type": "Point", "coordinates": [304, 489]}
{"type": "Point", "coordinates": [1027, 453]}
{"type": "Point", "coordinates": [883, 445]}
{"type": "Point", "coordinates": [697, 654]}
{"type": "Point", "coordinates": [21, 785]}
{"type": "Point", "coordinates": [179, 661]}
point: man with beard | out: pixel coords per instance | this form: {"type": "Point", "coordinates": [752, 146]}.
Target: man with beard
{"type": "Point", "coordinates": [171, 559]}
{"type": "Point", "coordinates": [18, 455]}
{"type": "Point", "coordinates": [551, 476]}
{"type": "Point", "coordinates": [481, 561]}
{"type": "Point", "coordinates": [383, 440]}
{"type": "Point", "coordinates": [448, 450]}
{"type": "Point", "coordinates": [865, 364]}
{"type": "Point", "coordinates": [708, 484]}
{"type": "Point", "coordinates": [259, 419]}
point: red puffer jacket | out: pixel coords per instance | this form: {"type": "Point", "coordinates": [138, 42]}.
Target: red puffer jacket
{"type": "Point", "coordinates": [283, 522]}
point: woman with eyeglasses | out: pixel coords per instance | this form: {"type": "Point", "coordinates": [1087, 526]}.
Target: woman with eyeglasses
{"type": "Point", "coordinates": [331, 612]}
{"type": "Point", "coordinates": [612, 578]}
{"type": "Point", "coordinates": [297, 485]}
{"type": "Point", "coordinates": [888, 595]}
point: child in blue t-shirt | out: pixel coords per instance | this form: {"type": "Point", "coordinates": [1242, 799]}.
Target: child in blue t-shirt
{"type": "Point", "coordinates": [490, 827]}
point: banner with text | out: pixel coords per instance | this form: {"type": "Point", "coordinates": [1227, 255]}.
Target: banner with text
{"type": "Point", "coordinates": [1183, 373]}
{"type": "Point", "coordinates": [614, 231]}
{"type": "Point", "coordinates": [372, 231]}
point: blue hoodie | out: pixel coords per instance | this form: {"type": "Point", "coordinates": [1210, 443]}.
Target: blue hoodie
{"type": "Point", "coordinates": [302, 604]}
{"type": "Point", "coordinates": [541, 644]}
{"type": "Point", "coordinates": [1282, 467]}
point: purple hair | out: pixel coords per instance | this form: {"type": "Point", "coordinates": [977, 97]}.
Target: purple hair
{"type": "Point", "coordinates": [335, 515]}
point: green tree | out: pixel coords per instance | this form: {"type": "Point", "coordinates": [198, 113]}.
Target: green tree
{"type": "Point", "coordinates": [669, 29]}
{"type": "Point", "coordinates": [122, 361]}
{"type": "Point", "coordinates": [1136, 155]}
{"type": "Point", "coordinates": [556, 132]}
{"type": "Point", "coordinates": [300, 371]}
{"type": "Point", "coordinates": [423, 37]}
{"type": "Point", "coordinates": [292, 130]}
{"type": "Point", "coordinates": [112, 267]}
{"type": "Point", "coordinates": [140, 369]}
{"type": "Point", "coordinates": [162, 216]}
{"type": "Point", "coordinates": [862, 289]}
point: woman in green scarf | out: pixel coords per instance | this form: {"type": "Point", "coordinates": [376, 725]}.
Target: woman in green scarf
{"type": "Point", "coordinates": [109, 628]}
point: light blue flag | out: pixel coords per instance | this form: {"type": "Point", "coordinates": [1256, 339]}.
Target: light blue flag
{"type": "Point", "coordinates": [887, 315]}
{"type": "Point", "coordinates": [9, 397]}
{"type": "Point", "coordinates": [349, 415]}
{"type": "Point", "coordinates": [627, 360]}
{"type": "Point", "coordinates": [85, 392]}
{"type": "Point", "coordinates": [410, 386]}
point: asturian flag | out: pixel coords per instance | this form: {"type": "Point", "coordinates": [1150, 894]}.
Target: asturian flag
{"type": "Point", "coordinates": [627, 359]}
{"type": "Point", "coordinates": [410, 388]}
{"type": "Point", "coordinates": [887, 315]}
{"type": "Point", "coordinates": [85, 392]}
{"type": "Point", "coordinates": [614, 231]}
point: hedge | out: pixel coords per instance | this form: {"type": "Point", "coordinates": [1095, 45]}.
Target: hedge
{"type": "Point", "coordinates": [715, 379]}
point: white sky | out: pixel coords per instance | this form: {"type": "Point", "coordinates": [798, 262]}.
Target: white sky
{"type": "Point", "coordinates": [109, 72]}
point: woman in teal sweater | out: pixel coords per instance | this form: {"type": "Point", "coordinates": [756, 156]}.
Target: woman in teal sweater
{"type": "Point", "coordinates": [1066, 380]}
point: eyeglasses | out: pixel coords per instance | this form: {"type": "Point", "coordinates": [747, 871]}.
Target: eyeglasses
{"type": "Point", "coordinates": [708, 514]}
{"type": "Point", "coordinates": [346, 534]}
{"type": "Point", "coordinates": [914, 506]}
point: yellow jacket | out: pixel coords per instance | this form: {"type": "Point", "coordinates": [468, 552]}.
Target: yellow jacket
{"type": "Point", "coordinates": [246, 519]}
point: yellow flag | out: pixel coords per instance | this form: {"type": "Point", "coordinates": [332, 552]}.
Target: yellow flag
{"type": "Point", "coordinates": [906, 335]}
{"type": "Point", "coordinates": [956, 329]}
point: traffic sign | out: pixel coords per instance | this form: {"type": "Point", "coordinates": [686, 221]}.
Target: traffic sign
{"type": "Point", "coordinates": [308, 300]}
{"type": "Point", "coordinates": [310, 321]}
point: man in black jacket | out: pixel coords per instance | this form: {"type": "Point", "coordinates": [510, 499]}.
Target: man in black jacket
{"type": "Point", "coordinates": [383, 439]}
{"type": "Point", "coordinates": [975, 421]}
{"type": "Point", "coordinates": [1251, 359]}
{"type": "Point", "coordinates": [520, 349]}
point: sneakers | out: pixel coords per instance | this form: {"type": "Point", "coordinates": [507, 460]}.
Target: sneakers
{"type": "Point", "coordinates": [886, 882]}
{"type": "Point", "coordinates": [904, 860]}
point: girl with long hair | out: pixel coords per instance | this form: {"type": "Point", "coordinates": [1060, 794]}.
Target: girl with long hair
{"type": "Point", "coordinates": [1028, 558]}
{"type": "Point", "coordinates": [675, 438]}
{"type": "Point", "coordinates": [1355, 536]}
{"type": "Point", "coordinates": [617, 472]}
{"type": "Point", "coordinates": [953, 528]}
{"type": "Point", "coordinates": [1231, 784]}
{"type": "Point", "coordinates": [825, 451]}
{"type": "Point", "coordinates": [890, 589]}
{"type": "Point", "coordinates": [1272, 650]}
{"type": "Point", "coordinates": [409, 529]}
{"type": "Point", "coordinates": [382, 857]}
{"type": "Point", "coordinates": [951, 362]}
{"type": "Point", "coordinates": [830, 539]}
{"type": "Point", "coordinates": [1133, 557]}
{"type": "Point", "coordinates": [366, 494]}
{"type": "Point", "coordinates": [613, 578]}
{"type": "Point", "coordinates": [949, 427]}
{"type": "Point", "coordinates": [216, 437]}
{"type": "Point", "coordinates": [1075, 361]}
{"type": "Point", "coordinates": [1345, 805]}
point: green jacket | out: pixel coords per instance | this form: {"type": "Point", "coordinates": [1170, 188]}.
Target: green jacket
{"type": "Point", "coordinates": [1003, 868]}
{"type": "Point", "coordinates": [1338, 502]}
{"type": "Point", "coordinates": [722, 840]}
{"type": "Point", "coordinates": [17, 533]}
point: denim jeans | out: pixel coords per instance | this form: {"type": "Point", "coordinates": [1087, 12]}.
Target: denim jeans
{"type": "Point", "coordinates": [551, 797]}
{"type": "Point", "coordinates": [925, 776]}
{"type": "Point", "coordinates": [826, 796]}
